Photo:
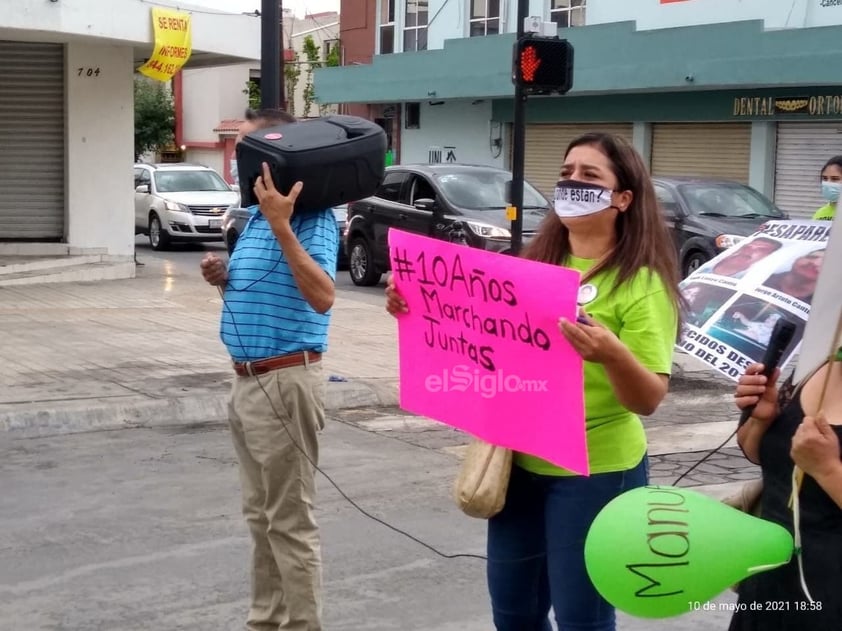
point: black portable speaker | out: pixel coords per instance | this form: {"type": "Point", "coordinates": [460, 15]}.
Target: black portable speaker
{"type": "Point", "coordinates": [339, 159]}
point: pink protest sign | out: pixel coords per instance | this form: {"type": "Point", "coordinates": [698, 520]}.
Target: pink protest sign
{"type": "Point", "coordinates": [480, 348]}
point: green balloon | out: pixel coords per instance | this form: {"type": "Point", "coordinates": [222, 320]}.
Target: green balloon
{"type": "Point", "coordinates": [654, 551]}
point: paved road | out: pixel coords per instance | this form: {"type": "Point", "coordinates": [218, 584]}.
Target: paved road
{"type": "Point", "coordinates": [185, 258]}
{"type": "Point", "coordinates": [139, 530]}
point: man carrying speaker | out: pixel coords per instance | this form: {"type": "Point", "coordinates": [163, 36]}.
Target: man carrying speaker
{"type": "Point", "coordinates": [278, 292]}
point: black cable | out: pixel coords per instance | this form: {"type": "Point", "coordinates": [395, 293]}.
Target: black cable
{"type": "Point", "coordinates": [703, 459]}
{"type": "Point", "coordinates": [317, 468]}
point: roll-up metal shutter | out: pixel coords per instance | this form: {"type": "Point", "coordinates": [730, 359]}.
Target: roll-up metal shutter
{"type": "Point", "coordinates": [702, 150]}
{"type": "Point", "coordinates": [546, 144]}
{"type": "Point", "coordinates": [802, 150]}
{"type": "Point", "coordinates": [32, 173]}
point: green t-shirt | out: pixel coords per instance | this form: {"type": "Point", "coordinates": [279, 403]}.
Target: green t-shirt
{"type": "Point", "coordinates": [825, 212]}
{"type": "Point", "coordinates": [644, 317]}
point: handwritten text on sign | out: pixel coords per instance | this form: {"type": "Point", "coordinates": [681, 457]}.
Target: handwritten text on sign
{"type": "Point", "coordinates": [480, 348]}
{"type": "Point", "coordinates": [172, 44]}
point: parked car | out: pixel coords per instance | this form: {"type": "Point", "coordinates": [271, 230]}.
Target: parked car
{"type": "Point", "coordinates": [235, 220]}
{"type": "Point", "coordinates": [443, 201]}
{"type": "Point", "coordinates": [708, 216]}
{"type": "Point", "coordinates": [180, 202]}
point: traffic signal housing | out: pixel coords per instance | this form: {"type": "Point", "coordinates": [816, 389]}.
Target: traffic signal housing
{"type": "Point", "coordinates": [543, 65]}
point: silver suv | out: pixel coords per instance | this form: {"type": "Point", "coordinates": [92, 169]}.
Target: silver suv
{"type": "Point", "coordinates": [180, 202]}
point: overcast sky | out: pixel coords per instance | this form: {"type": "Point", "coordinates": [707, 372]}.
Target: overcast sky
{"type": "Point", "coordinates": [240, 6]}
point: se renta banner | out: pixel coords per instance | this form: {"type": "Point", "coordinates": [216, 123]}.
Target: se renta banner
{"type": "Point", "coordinates": [735, 300]}
{"type": "Point", "coordinates": [173, 44]}
{"type": "Point", "coordinates": [480, 348]}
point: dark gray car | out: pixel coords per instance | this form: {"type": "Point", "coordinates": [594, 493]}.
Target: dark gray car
{"type": "Point", "coordinates": [708, 216]}
{"type": "Point", "coordinates": [444, 201]}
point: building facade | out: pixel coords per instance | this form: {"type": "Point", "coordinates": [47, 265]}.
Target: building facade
{"type": "Point", "coordinates": [67, 123]}
{"type": "Point", "coordinates": [210, 102]}
{"type": "Point", "coordinates": [746, 91]}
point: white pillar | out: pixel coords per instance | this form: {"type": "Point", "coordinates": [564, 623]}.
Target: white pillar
{"type": "Point", "coordinates": [761, 173]}
{"type": "Point", "coordinates": [642, 140]}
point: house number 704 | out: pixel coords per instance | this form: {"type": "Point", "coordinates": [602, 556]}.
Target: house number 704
{"type": "Point", "coordinates": [88, 72]}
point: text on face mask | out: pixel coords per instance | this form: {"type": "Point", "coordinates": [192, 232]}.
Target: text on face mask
{"type": "Point", "coordinates": [586, 195]}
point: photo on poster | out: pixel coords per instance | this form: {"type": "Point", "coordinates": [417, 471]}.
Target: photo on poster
{"type": "Point", "coordinates": [703, 301]}
{"type": "Point", "coordinates": [747, 325]}
{"type": "Point", "coordinates": [798, 276]}
{"type": "Point", "coordinates": [740, 260]}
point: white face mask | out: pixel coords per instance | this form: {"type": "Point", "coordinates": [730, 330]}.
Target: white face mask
{"type": "Point", "coordinates": [235, 174]}
{"type": "Point", "coordinates": [577, 199]}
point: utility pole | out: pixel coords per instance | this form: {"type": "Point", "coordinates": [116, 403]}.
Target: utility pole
{"type": "Point", "coordinates": [281, 57]}
{"type": "Point", "coordinates": [270, 54]}
{"type": "Point", "coordinates": [518, 143]}
{"type": "Point", "coordinates": [542, 64]}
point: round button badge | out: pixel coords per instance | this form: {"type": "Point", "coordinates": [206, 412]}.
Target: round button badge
{"type": "Point", "coordinates": [274, 136]}
{"type": "Point", "coordinates": [587, 294]}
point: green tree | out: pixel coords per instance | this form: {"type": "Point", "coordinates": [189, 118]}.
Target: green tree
{"type": "Point", "coordinates": [333, 60]}
{"type": "Point", "coordinates": [312, 52]}
{"type": "Point", "coordinates": [253, 90]}
{"type": "Point", "coordinates": [154, 116]}
{"type": "Point", "coordinates": [292, 74]}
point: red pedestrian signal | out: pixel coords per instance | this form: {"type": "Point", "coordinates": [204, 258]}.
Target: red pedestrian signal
{"type": "Point", "coordinates": [529, 63]}
{"type": "Point", "coordinates": [543, 65]}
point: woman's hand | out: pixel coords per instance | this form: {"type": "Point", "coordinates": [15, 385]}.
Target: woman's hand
{"type": "Point", "coordinates": [815, 447]}
{"type": "Point", "coordinates": [754, 388]}
{"type": "Point", "coordinates": [591, 339]}
{"type": "Point", "coordinates": [395, 304]}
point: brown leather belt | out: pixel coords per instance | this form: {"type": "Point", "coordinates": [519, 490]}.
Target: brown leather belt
{"type": "Point", "coordinates": [261, 366]}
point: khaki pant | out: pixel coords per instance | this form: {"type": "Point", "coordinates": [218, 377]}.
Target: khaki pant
{"type": "Point", "coordinates": [268, 415]}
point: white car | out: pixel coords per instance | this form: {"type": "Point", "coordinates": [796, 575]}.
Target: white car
{"type": "Point", "coordinates": [180, 202]}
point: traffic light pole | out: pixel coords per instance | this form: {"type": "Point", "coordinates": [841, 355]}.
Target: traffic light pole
{"type": "Point", "coordinates": [270, 54]}
{"type": "Point", "coordinates": [518, 143]}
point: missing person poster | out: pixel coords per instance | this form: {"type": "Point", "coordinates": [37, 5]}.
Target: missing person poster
{"type": "Point", "coordinates": [735, 300]}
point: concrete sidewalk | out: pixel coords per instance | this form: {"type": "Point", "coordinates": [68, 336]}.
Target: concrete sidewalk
{"type": "Point", "coordinates": [139, 352]}
{"type": "Point", "coordinates": [126, 353]}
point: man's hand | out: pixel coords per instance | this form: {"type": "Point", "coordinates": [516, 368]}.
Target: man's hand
{"type": "Point", "coordinates": [214, 270]}
{"type": "Point", "coordinates": [277, 208]}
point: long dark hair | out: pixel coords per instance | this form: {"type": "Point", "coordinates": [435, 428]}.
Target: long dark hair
{"type": "Point", "coordinates": [643, 239]}
{"type": "Point", "coordinates": [835, 161]}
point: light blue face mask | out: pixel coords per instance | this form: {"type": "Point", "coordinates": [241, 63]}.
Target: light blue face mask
{"type": "Point", "coordinates": [830, 191]}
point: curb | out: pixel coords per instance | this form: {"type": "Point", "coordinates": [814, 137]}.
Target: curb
{"type": "Point", "coordinates": [87, 415]}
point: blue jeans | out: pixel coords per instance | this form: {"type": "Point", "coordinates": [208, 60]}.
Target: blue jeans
{"type": "Point", "coordinates": [536, 555]}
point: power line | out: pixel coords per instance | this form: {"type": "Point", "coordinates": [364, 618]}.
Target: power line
{"type": "Point", "coordinates": [191, 9]}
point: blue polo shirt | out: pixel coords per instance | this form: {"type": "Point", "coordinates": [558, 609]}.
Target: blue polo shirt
{"type": "Point", "coordinates": [264, 313]}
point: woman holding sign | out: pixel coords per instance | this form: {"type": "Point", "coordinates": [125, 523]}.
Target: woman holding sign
{"type": "Point", "coordinates": [787, 430]}
{"type": "Point", "coordinates": [607, 225]}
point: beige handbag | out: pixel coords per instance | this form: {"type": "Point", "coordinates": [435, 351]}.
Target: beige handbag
{"type": "Point", "coordinates": [480, 488]}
